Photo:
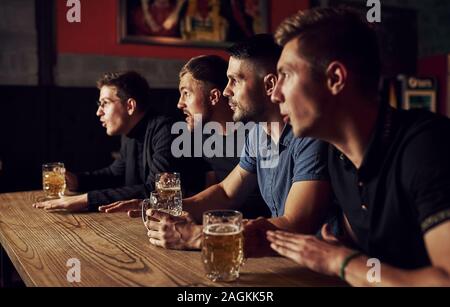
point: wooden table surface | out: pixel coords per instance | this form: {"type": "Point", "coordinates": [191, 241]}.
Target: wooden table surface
{"type": "Point", "coordinates": [114, 251]}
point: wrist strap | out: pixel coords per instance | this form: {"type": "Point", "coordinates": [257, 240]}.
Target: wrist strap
{"type": "Point", "coordinates": [346, 262]}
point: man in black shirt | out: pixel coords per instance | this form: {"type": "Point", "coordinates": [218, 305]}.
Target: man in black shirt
{"type": "Point", "coordinates": [124, 109]}
{"type": "Point", "coordinates": [389, 169]}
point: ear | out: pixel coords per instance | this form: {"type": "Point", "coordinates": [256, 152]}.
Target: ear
{"type": "Point", "coordinates": [131, 106]}
{"type": "Point", "coordinates": [214, 96]}
{"type": "Point", "coordinates": [270, 81]}
{"type": "Point", "coordinates": [336, 77]}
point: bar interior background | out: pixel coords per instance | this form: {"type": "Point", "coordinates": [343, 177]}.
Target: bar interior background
{"type": "Point", "coordinates": [48, 69]}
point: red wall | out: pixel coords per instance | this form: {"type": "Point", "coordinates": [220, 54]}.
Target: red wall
{"type": "Point", "coordinates": [97, 32]}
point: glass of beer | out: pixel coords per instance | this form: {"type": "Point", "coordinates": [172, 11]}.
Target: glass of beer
{"type": "Point", "coordinates": [223, 245]}
{"type": "Point", "coordinates": [54, 180]}
{"type": "Point", "coordinates": [168, 187]}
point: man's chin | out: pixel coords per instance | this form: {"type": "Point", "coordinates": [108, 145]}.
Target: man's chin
{"type": "Point", "coordinates": [240, 118]}
{"type": "Point", "coordinates": [301, 132]}
{"type": "Point", "coordinates": [112, 133]}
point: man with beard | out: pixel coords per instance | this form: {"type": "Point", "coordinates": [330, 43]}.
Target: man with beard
{"type": "Point", "coordinates": [202, 81]}
{"type": "Point", "coordinates": [291, 173]}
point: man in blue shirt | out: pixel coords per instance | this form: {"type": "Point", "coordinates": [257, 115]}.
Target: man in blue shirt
{"type": "Point", "coordinates": [291, 173]}
{"type": "Point", "coordinates": [293, 160]}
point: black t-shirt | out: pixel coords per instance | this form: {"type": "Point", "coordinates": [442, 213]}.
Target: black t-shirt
{"type": "Point", "coordinates": [401, 190]}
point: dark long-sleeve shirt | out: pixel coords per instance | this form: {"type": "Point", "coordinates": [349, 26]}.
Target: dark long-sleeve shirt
{"type": "Point", "coordinates": [144, 152]}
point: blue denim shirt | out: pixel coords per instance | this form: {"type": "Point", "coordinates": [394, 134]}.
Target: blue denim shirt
{"type": "Point", "coordinates": [278, 167]}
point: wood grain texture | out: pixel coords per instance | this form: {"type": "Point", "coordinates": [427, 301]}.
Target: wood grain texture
{"type": "Point", "coordinates": [114, 251]}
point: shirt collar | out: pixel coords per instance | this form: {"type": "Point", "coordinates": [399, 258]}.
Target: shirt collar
{"type": "Point", "coordinates": [138, 131]}
{"type": "Point", "coordinates": [377, 147]}
{"type": "Point", "coordinates": [379, 143]}
{"type": "Point", "coordinates": [286, 135]}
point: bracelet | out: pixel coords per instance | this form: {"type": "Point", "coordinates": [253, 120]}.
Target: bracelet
{"type": "Point", "coordinates": [346, 262]}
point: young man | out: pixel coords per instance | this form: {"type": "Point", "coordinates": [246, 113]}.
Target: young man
{"type": "Point", "coordinates": [295, 186]}
{"type": "Point", "coordinates": [389, 169]}
{"type": "Point", "coordinates": [124, 109]}
{"type": "Point", "coordinates": [202, 81]}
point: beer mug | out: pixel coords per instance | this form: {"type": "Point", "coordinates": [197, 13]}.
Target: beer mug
{"type": "Point", "coordinates": [156, 201]}
{"type": "Point", "coordinates": [223, 245]}
{"type": "Point", "coordinates": [153, 202]}
{"type": "Point", "coordinates": [168, 187]}
{"type": "Point", "coordinates": [54, 180]}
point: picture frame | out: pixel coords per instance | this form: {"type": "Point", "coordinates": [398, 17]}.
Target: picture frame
{"type": "Point", "coordinates": [191, 23]}
{"type": "Point", "coordinates": [419, 93]}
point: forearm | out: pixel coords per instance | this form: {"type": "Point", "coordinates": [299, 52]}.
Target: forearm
{"type": "Point", "coordinates": [283, 223]}
{"type": "Point", "coordinates": [213, 198]}
{"type": "Point", "coordinates": [92, 181]}
{"type": "Point", "coordinates": [357, 273]}
{"type": "Point", "coordinates": [104, 197]}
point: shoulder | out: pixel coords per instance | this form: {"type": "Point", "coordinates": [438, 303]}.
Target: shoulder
{"type": "Point", "coordinates": [423, 135]}
{"type": "Point", "coordinates": [309, 146]}
{"type": "Point", "coordinates": [160, 120]}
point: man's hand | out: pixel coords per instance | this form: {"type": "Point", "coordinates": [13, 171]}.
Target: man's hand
{"type": "Point", "coordinates": [69, 204]}
{"type": "Point", "coordinates": [72, 182]}
{"type": "Point", "coordinates": [173, 232]}
{"type": "Point", "coordinates": [256, 244]}
{"type": "Point", "coordinates": [323, 256]}
{"type": "Point", "coordinates": [132, 207]}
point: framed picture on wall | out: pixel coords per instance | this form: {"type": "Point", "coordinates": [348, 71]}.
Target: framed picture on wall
{"type": "Point", "coordinates": [203, 23]}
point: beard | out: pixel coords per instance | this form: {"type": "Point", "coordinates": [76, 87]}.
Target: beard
{"type": "Point", "coordinates": [251, 113]}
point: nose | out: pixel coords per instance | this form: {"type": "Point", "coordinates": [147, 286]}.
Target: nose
{"type": "Point", "coordinates": [277, 96]}
{"type": "Point", "coordinates": [227, 92]}
{"type": "Point", "coordinates": [181, 105]}
{"type": "Point", "coordinates": [99, 111]}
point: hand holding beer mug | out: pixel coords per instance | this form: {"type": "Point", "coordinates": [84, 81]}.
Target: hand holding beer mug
{"type": "Point", "coordinates": [53, 180]}
{"type": "Point", "coordinates": [168, 188]}
{"type": "Point", "coordinates": [223, 245]}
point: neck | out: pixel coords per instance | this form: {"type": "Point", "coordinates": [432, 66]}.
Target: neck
{"type": "Point", "coordinates": [222, 114]}
{"type": "Point", "coordinates": [355, 127]}
{"type": "Point", "coordinates": [275, 123]}
{"type": "Point", "coordinates": [134, 120]}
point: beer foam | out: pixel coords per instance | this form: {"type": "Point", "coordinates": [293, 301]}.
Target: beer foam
{"type": "Point", "coordinates": [174, 189]}
{"type": "Point", "coordinates": [222, 229]}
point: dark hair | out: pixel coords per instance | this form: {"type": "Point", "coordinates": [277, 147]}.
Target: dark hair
{"type": "Point", "coordinates": [260, 49]}
{"type": "Point", "coordinates": [129, 84]}
{"type": "Point", "coordinates": [341, 34]}
{"type": "Point", "coordinates": [211, 69]}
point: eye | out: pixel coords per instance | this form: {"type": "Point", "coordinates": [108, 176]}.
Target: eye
{"type": "Point", "coordinates": [103, 103]}
{"type": "Point", "coordinates": [282, 75]}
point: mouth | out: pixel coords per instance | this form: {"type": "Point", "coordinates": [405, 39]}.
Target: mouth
{"type": "Point", "coordinates": [233, 106]}
{"type": "Point", "coordinates": [286, 119]}
{"type": "Point", "coordinates": [103, 124]}
{"type": "Point", "coordinates": [188, 116]}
